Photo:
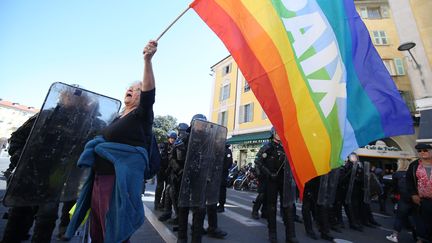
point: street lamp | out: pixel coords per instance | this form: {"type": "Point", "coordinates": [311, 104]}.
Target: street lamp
{"type": "Point", "coordinates": [407, 46]}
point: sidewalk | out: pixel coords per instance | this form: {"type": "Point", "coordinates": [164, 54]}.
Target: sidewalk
{"type": "Point", "coordinates": [146, 233]}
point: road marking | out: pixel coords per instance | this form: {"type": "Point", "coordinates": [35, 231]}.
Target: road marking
{"type": "Point", "coordinates": [249, 208]}
{"type": "Point", "coordinates": [241, 219]}
{"type": "Point", "coordinates": [166, 234]}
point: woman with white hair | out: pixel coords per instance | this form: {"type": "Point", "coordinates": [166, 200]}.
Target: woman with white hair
{"type": "Point", "coordinates": [119, 159]}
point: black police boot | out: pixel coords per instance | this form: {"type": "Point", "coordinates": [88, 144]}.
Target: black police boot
{"type": "Point", "coordinates": [220, 208]}
{"type": "Point", "coordinates": [255, 209]}
{"type": "Point", "coordinates": [42, 231]}
{"type": "Point", "coordinates": [183, 223]}
{"type": "Point", "coordinates": [173, 221]}
{"type": "Point", "coordinates": [216, 233]}
{"type": "Point", "coordinates": [311, 234]}
{"type": "Point", "coordinates": [327, 237]}
{"type": "Point", "coordinates": [272, 236]}
{"type": "Point", "coordinates": [290, 234]}
{"type": "Point", "coordinates": [164, 217]}
{"type": "Point", "coordinates": [197, 225]}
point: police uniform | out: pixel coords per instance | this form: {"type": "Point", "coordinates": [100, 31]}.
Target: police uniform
{"type": "Point", "coordinates": [270, 161]}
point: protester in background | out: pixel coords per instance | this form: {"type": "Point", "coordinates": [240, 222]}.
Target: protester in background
{"type": "Point", "coordinates": [419, 185]}
{"type": "Point", "coordinates": [404, 204]}
{"type": "Point", "coordinates": [119, 159]}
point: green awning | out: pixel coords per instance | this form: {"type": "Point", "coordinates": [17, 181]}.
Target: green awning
{"type": "Point", "coordinates": [257, 137]}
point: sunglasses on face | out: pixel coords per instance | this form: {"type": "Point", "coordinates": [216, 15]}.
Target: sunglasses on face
{"type": "Point", "coordinates": [422, 150]}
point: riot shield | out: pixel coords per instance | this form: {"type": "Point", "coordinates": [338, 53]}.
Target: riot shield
{"type": "Point", "coordinates": [289, 186]}
{"type": "Point", "coordinates": [366, 182]}
{"type": "Point", "coordinates": [323, 191]}
{"type": "Point", "coordinates": [333, 185]}
{"type": "Point", "coordinates": [376, 189]}
{"type": "Point", "coordinates": [351, 183]}
{"type": "Point", "coordinates": [69, 117]}
{"type": "Point", "coordinates": [203, 165]}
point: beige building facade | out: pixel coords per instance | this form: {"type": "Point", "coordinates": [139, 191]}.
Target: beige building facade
{"type": "Point", "coordinates": [235, 106]}
{"type": "Point", "coordinates": [12, 116]}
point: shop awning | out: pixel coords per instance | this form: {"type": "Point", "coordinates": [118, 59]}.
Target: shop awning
{"type": "Point", "coordinates": [257, 137]}
{"type": "Point", "coordinates": [425, 129]}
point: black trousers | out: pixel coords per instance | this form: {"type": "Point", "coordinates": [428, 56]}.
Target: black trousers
{"type": "Point", "coordinates": [198, 215]}
{"type": "Point", "coordinates": [275, 188]}
{"type": "Point", "coordinates": [160, 186]}
{"type": "Point", "coordinates": [423, 219]}
{"type": "Point", "coordinates": [21, 219]}
{"type": "Point", "coordinates": [212, 216]}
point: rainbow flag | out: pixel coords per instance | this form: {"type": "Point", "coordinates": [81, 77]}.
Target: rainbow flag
{"type": "Point", "coordinates": [314, 70]}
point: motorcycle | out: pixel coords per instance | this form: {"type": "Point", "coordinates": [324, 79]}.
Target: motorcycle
{"type": "Point", "coordinates": [247, 181]}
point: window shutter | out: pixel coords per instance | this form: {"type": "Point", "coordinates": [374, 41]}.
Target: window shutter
{"type": "Point", "coordinates": [241, 115]}
{"type": "Point", "coordinates": [219, 120]}
{"type": "Point", "coordinates": [220, 93]}
{"type": "Point", "coordinates": [225, 120]}
{"type": "Point", "coordinates": [228, 91]}
{"type": "Point", "coordinates": [385, 11]}
{"type": "Point", "coordinates": [363, 12]}
{"type": "Point", "coordinates": [399, 66]}
{"type": "Point", "coordinates": [251, 112]}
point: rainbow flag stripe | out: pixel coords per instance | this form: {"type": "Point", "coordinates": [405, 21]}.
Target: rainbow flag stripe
{"type": "Point", "coordinates": [315, 72]}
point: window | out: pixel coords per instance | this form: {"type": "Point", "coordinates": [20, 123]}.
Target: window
{"type": "Point", "coordinates": [379, 37]}
{"type": "Point", "coordinates": [373, 13]}
{"type": "Point", "coordinates": [388, 63]}
{"type": "Point", "coordinates": [399, 66]}
{"type": "Point", "coordinates": [363, 12]}
{"type": "Point", "coordinates": [224, 92]}
{"type": "Point", "coordinates": [223, 118]}
{"type": "Point", "coordinates": [376, 12]}
{"type": "Point", "coordinates": [226, 69]}
{"type": "Point", "coordinates": [394, 66]}
{"type": "Point", "coordinates": [246, 87]}
{"type": "Point", "coordinates": [385, 12]}
{"type": "Point", "coordinates": [246, 113]}
{"type": "Point", "coordinates": [409, 100]}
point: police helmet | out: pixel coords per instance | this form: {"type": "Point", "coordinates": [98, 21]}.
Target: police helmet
{"type": "Point", "coordinates": [182, 127]}
{"type": "Point", "coordinates": [172, 134]}
{"type": "Point", "coordinates": [198, 117]}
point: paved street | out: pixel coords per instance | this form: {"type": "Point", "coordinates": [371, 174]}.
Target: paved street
{"type": "Point", "coordinates": [235, 220]}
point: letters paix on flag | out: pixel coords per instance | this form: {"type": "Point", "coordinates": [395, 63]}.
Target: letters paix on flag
{"type": "Point", "coordinates": [315, 72]}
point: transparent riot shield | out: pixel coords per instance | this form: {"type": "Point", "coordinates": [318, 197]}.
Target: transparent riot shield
{"type": "Point", "coordinates": [69, 117]}
{"type": "Point", "coordinates": [333, 185]}
{"type": "Point", "coordinates": [376, 189]}
{"type": "Point", "coordinates": [323, 191]}
{"type": "Point", "coordinates": [366, 182]}
{"type": "Point", "coordinates": [351, 183]}
{"type": "Point", "coordinates": [289, 186]}
{"type": "Point", "coordinates": [203, 165]}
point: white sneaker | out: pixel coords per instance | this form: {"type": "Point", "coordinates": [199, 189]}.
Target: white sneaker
{"type": "Point", "coordinates": [393, 237]}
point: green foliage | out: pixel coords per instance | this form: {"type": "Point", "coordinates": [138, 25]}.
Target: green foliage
{"type": "Point", "coordinates": [161, 126]}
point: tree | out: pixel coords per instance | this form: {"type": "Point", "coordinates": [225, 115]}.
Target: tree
{"type": "Point", "coordinates": [162, 125]}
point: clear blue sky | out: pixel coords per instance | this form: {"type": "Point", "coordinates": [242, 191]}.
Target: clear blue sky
{"type": "Point", "coordinates": [98, 44]}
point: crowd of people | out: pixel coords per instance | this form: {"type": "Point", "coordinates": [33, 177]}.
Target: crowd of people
{"type": "Point", "coordinates": [124, 154]}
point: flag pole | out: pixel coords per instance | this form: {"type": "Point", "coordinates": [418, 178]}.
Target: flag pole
{"type": "Point", "coordinates": [175, 20]}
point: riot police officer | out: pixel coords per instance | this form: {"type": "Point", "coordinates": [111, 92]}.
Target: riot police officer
{"type": "Point", "coordinates": [227, 164]}
{"type": "Point", "coordinates": [177, 163]}
{"type": "Point", "coordinates": [173, 173]}
{"type": "Point", "coordinates": [271, 161]}
{"type": "Point", "coordinates": [161, 183]}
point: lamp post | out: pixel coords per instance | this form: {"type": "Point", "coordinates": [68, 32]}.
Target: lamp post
{"type": "Point", "coordinates": [407, 46]}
